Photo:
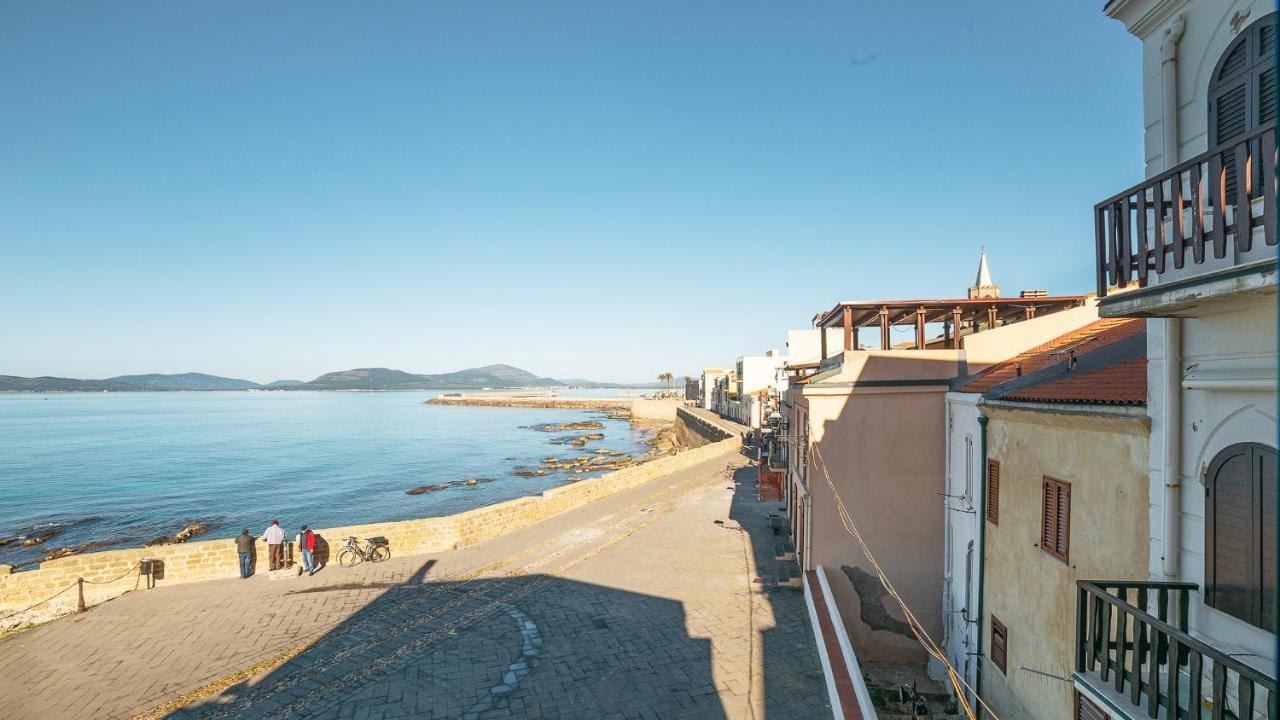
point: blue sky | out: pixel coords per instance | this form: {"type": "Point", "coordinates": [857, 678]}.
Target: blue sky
{"type": "Point", "coordinates": [592, 189]}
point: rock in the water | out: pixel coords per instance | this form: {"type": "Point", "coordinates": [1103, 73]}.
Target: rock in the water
{"type": "Point", "coordinates": [561, 427]}
{"type": "Point", "coordinates": [40, 537]}
{"type": "Point", "coordinates": [421, 489]}
{"type": "Point", "coordinates": [181, 536]}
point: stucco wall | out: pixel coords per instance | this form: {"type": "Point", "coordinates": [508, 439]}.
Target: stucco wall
{"type": "Point", "coordinates": [964, 475]}
{"type": "Point", "coordinates": [207, 560]}
{"type": "Point", "coordinates": [1230, 338]}
{"type": "Point", "coordinates": [886, 461]}
{"type": "Point", "coordinates": [1032, 592]}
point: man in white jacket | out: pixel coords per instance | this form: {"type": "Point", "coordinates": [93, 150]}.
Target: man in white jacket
{"type": "Point", "coordinates": [274, 538]}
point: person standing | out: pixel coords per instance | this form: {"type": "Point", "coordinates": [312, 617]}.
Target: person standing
{"type": "Point", "coordinates": [244, 546]}
{"type": "Point", "coordinates": [274, 538]}
{"type": "Point", "coordinates": [307, 546]}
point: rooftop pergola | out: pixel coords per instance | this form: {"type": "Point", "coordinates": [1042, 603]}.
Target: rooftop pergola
{"type": "Point", "coordinates": [956, 315]}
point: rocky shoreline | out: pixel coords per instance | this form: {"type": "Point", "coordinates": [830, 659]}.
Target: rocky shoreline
{"type": "Point", "coordinates": [545, 403]}
{"type": "Point", "coordinates": [662, 442]}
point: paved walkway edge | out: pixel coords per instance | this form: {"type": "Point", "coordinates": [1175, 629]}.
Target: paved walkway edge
{"type": "Point", "coordinates": [850, 699]}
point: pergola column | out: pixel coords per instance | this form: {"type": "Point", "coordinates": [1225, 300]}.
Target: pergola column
{"type": "Point", "coordinates": [822, 335]}
{"type": "Point", "coordinates": [884, 328]}
{"type": "Point", "coordinates": [848, 329]}
{"type": "Point", "coordinates": [993, 317]}
{"type": "Point", "coordinates": [920, 338]}
{"type": "Point", "coordinates": [957, 323]}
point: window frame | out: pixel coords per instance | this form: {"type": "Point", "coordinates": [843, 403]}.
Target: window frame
{"type": "Point", "coordinates": [1001, 662]}
{"type": "Point", "coordinates": [1058, 487]}
{"type": "Point", "coordinates": [992, 480]}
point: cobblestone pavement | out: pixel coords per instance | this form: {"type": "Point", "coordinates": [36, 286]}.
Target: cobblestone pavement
{"type": "Point", "coordinates": [642, 605]}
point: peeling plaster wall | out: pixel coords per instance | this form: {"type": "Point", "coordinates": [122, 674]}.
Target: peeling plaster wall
{"type": "Point", "coordinates": [1034, 593]}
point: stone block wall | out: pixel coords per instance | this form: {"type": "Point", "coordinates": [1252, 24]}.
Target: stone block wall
{"type": "Point", "coordinates": [694, 431]}
{"type": "Point", "coordinates": [112, 573]}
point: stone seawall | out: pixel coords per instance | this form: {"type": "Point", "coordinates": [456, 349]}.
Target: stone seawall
{"type": "Point", "coordinates": [112, 573]}
{"type": "Point", "coordinates": [693, 431]}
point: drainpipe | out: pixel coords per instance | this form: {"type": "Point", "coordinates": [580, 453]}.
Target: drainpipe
{"type": "Point", "coordinates": [1171, 437]}
{"type": "Point", "coordinates": [1169, 74]}
{"type": "Point", "coordinates": [982, 553]}
{"type": "Point", "coordinates": [1171, 379]}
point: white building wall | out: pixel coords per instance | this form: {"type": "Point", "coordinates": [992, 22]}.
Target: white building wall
{"type": "Point", "coordinates": [1235, 338]}
{"type": "Point", "coordinates": [963, 547]}
{"type": "Point", "coordinates": [1230, 337]}
{"type": "Point", "coordinates": [804, 346]}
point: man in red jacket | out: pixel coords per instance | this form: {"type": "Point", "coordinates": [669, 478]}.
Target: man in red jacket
{"type": "Point", "coordinates": [307, 546]}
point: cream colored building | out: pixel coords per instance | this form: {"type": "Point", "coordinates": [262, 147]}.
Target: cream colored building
{"type": "Point", "coordinates": [1063, 498]}
{"type": "Point", "coordinates": [1207, 278]}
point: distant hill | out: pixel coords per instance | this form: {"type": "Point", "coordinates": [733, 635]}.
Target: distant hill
{"type": "Point", "coordinates": [185, 381]}
{"type": "Point", "coordinates": [125, 383]}
{"type": "Point", "coordinates": [490, 376]}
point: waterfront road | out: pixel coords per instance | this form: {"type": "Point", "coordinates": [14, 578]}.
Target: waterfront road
{"type": "Point", "coordinates": [658, 602]}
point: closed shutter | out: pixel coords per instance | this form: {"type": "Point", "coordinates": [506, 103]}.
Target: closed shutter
{"type": "Point", "coordinates": [1055, 518]}
{"type": "Point", "coordinates": [1240, 542]}
{"type": "Point", "coordinates": [1087, 709]}
{"type": "Point", "coordinates": [993, 492]}
{"type": "Point", "coordinates": [999, 644]}
{"type": "Point", "coordinates": [1242, 93]}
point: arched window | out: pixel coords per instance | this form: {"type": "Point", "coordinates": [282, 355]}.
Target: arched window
{"type": "Point", "coordinates": [1242, 89]}
{"type": "Point", "coordinates": [1240, 528]}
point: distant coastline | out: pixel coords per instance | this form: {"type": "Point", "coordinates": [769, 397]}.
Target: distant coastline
{"type": "Point", "coordinates": [489, 377]}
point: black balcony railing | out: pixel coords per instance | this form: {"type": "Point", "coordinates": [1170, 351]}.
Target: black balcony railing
{"type": "Point", "coordinates": [1155, 662]}
{"type": "Point", "coordinates": [1152, 225]}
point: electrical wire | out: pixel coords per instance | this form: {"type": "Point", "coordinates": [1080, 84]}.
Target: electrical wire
{"type": "Point", "coordinates": [917, 629]}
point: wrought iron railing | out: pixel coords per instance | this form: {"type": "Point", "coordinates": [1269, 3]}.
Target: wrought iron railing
{"type": "Point", "coordinates": [1152, 225]}
{"type": "Point", "coordinates": [1152, 659]}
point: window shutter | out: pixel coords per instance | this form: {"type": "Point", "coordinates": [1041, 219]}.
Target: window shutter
{"type": "Point", "coordinates": [1055, 518]}
{"type": "Point", "coordinates": [993, 492]}
{"type": "Point", "coordinates": [1240, 534]}
{"type": "Point", "coordinates": [1087, 709]}
{"type": "Point", "coordinates": [999, 645]}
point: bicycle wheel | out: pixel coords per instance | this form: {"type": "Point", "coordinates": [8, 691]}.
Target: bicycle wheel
{"type": "Point", "coordinates": [347, 558]}
{"type": "Point", "coordinates": [380, 553]}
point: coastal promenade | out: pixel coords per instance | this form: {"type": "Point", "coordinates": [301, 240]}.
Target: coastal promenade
{"type": "Point", "coordinates": [659, 601]}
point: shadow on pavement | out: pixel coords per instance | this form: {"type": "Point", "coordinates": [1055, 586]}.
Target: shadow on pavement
{"type": "Point", "coordinates": [533, 646]}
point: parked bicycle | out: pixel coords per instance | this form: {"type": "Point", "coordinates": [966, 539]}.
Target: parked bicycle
{"type": "Point", "coordinates": [374, 549]}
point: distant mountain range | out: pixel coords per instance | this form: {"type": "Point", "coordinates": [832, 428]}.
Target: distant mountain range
{"type": "Point", "coordinates": [490, 376]}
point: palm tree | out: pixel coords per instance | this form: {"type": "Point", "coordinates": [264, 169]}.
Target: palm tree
{"type": "Point", "coordinates": [665, 378]}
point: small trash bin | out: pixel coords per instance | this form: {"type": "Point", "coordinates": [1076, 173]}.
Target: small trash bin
{"type": "Point", "coordinates": [144, 567]}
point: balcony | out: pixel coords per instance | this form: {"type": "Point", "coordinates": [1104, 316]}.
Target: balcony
{"type": "Point", "coordinates": [1148, 662]}
{"type": "Point", "coordinates": [1169, 232]}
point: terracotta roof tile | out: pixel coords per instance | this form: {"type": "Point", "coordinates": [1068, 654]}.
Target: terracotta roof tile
{"type": "Point", "coordinates": [1124, 383]}
{"type": "Point", "coordinates": [1095, 335]}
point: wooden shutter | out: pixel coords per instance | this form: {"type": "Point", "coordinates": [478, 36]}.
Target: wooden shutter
{"type": "Point", "coordinates": [1086, 709]}
{"type": "Point", "coordinates": [999, 645]}
{"type": "Point", "coordinates": [1242, 92]}
{"type": "Point", "coordinates": [993, 492]}
{"type": "Point", "coordinates": [1055, 518]}
{"type": "Point", "coordinates": [1240, 534]}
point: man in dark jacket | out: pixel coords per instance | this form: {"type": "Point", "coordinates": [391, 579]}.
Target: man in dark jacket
{"type": "Point", "coordinates": [244, 546]}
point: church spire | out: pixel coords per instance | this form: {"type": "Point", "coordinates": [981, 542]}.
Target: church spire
{"type": "Point", "coordinates": [983, 287]}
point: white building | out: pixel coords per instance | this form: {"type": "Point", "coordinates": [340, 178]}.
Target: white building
{"type": "Point", "coordinates": [710, 377]}
{"type": "Point", "coordinates": [1208, 281]}
{"type": "Point", "coordinates": [759, 378]}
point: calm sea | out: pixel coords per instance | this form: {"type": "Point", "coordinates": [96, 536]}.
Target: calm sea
{"type": "Point", "coordinates": [132, 466]}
